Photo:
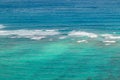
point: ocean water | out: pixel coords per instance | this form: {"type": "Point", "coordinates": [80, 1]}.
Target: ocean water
{"type": "Point", "coordinates": [59, 40]}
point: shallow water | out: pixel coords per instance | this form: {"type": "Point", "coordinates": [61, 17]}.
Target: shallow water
{"type": "Point", "coordinates": [59, 40]}
{"type": "Point", "coordinates": [58, 59]}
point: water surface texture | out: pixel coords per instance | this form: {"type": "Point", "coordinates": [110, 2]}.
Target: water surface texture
{"type": "Point", "coordinates": [59, 40]}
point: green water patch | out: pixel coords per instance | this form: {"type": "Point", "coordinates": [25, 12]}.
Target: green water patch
{"type": "Point", "coordinates": [59, 60]}
{"type": "Point", "coordinates": [48, 51]}
{"type": "Point", "coordinates": [33, 51]}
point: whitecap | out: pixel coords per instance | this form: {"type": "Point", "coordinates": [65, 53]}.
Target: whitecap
{"type": "Point", "coordinates": [32, 34]}
{"type": "Point", "coordinates": [109, 42]}
{"type": "Point", "coordinates": [110, 36]}
{"type": "Point", "coordinates": [80, 41]}
{"type": "Point", "coordinates": [82, 34]}
{"type": "Point", "coordinates": [62, 37]}
{"type": "Point", "coordinates": [106, 41]}
{"type": "Point", "coordinates": [38, 38]}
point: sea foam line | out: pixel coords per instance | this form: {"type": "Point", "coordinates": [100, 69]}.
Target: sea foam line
{"type": "Point", "coordinates": [40, 34]}
{"type": "Point", "coordinates": [82, 34]}
{"type": "Point", "coordinates": [81, 41]}
{"type": "Point", "coordinates": [32, 34]}
{"type": "Point", "coordinates": [110, 36]}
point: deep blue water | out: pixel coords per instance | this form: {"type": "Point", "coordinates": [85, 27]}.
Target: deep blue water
{"type": "Point", "coordinates": [59, 40]}
{"type": "Point", "coordinates": [56, 13]}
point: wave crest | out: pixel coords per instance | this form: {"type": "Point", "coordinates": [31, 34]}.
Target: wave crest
{"type": "Point", "coordinates": [32, 34]}
{"type": "Point", "coordinates": [82, 34]}
{"type": "Point", "coordinates": [110, 36]}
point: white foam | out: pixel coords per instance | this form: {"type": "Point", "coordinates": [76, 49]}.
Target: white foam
{"type": "Point", "coordinates": [37, 38]}
{"type": "Point", "coordinates": [80, 41]}
{"type": "Point", "coordinates": [32, 34]}
{"type": "Point", "coordinates": [110, 36]}
{"type": "Point", "coordinates": [62, 37]}
{"type": "Point", "coordinates": [82, 34]}
{"type": "Point", "coordinates": [109, 41]}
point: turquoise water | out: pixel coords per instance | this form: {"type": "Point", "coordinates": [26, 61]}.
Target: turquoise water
{"type": "Point", "coordinates": [59, 40]}
{"type": "Point", "coordinates": [25, 59]}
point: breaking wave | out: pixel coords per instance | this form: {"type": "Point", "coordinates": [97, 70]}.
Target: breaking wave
{"type": "Point", "coordinates": [82, 34]}
{"type": "Point", "coordinates": [39, 34]}
{"type": "Point", "coordinates": [110, 36]}
{"type": "Point", "coordinates": [81, 41]}
{"type": "Point", "coordinates": [32, 34]}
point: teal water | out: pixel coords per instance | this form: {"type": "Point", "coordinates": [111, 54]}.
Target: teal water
{"type": "Point", "coordinates": [25, 59]}
{"type": "Point", "coordinates": [59, 40]}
